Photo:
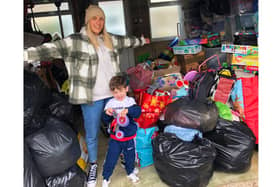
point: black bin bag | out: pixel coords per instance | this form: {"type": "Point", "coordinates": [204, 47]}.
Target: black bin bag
{"type": "Point", "coordinates": [189, 113]}
{"type": "Point", "coordinates": [36, 98]}
{"type": "Point", "coordinates": [73, 177]}
{"type": "Point", "coordinates": [55, 148]}
{"type": "Point", "coordinates": [235, 143]}
{"type": "Point", "coordinates": [37, 121]}
{"type": "Point", "coordinates": [65, 111]}
{"type": "Point", "coordinates": [60, 107]}
{"type": "Point", "coordinates": [183, 164]}
{"type": "Point", "coordinates": [32, 177]}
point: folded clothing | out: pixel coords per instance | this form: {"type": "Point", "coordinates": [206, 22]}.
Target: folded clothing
{"type": "Point", "coordinates": [185, 134]}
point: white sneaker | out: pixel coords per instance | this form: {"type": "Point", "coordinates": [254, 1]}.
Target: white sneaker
{"type": "Point", "coordinates": [133, 178]}
{"type": "Point", "coordinates": [136, 171]}
{"type": "Point", "coordinates": [91, 184]}
{"type": "Point", "coordinates": [105, 183]}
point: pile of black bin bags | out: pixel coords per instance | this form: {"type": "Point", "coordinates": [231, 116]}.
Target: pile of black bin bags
{"type": "Point", "coordinates": [51, 147]}
{"type": "Point", "coordinates": [226, 145]}
{"type": "Point", "coordinates": [235, 143]}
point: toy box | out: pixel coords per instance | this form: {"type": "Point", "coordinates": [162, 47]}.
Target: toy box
{"type": "Point", "coordinates": [240, 49]}
{"type": "Point", "coordinates": [186, 49]}
{"type": "Point", "coordinates": [247, 60]}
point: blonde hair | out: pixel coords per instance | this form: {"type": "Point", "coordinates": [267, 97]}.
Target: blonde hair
{"type": "Point", "coordinates": [92, 11]}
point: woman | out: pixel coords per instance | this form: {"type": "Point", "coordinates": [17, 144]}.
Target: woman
{"type": "Point", "coordinates": [91, 59]}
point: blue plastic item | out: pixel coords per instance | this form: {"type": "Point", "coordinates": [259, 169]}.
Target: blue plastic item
{"type": "Point", "coordinates": [185, 134]}
{"type": "Point", "coordinates": [173, 42]}
{"type": "Point", "coordinates": [144, 148]}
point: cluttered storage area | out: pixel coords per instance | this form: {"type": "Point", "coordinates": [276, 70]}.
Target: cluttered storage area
{"type": "Point", "coordinates": [197, 89]}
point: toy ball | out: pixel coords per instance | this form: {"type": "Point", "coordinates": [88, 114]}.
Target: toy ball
{"type": "Point", "coordinates": [119, 134]}
{"type": "Point", "coordinates": [123, 121]}
{"type": "Point", "coordinates": [190, 75]}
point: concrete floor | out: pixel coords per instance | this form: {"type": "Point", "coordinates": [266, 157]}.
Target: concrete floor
{"type": "Point", "coordinates": [149, 177]}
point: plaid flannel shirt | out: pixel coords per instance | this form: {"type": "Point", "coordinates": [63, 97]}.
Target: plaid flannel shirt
{"type": "Point", "coordinates": [81, 60]}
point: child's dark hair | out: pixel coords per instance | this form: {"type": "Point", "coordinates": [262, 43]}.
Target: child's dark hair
{"type": "Point", "coordinates": [118, 82]}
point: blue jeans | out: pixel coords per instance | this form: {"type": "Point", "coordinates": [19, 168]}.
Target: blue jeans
{"type": "Point", "coordinates": [92, 118]}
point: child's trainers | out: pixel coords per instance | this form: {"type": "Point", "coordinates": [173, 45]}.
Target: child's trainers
{"type": "Point", "coordinates": [133, 178]}
{"type": "Point", "coordinates": [105, 183]}
{"type": "Point", "coordinates": [92, 175]}
{"type": "Point", "coordinates": [136, 171]}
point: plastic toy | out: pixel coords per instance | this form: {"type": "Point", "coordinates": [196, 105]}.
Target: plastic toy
{"type": "Point", "coordinates": [119, 121]}
{"type": "Point", "coordinates": [190, 75]}
{"type": "Point", "coordinates": [182, 91]}
{"type": "Point", "coordinates": [122, 121]}
{"type": "Point", "coordinates": [180, 83]}
{"type": "Point", "coordinates": [119, 134]}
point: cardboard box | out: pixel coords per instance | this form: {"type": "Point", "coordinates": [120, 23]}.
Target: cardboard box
{"type": "Point", "coordinates": [194, 41]}
{"type": "Point", "coordinates": [240, 49]}
{"type": "Point", "coordinates": [186, 49]}
{"type": "Point", "coordinates": [161, 72]}
{"type": "Point", "coordinates": [191, 66]}
{"type": "Point", "coordinates": [190, 62]}
{"type": "Point", "coordinates": [246, 60]}
{"type": "Point", "coordinates": [199, 57]}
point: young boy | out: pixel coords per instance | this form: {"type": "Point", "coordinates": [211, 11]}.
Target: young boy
{"type": "Point", "coordinates": [123, 106]}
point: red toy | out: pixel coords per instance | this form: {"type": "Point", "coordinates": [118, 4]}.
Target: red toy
{"type": "Point", "coordinates": [122, 121]}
